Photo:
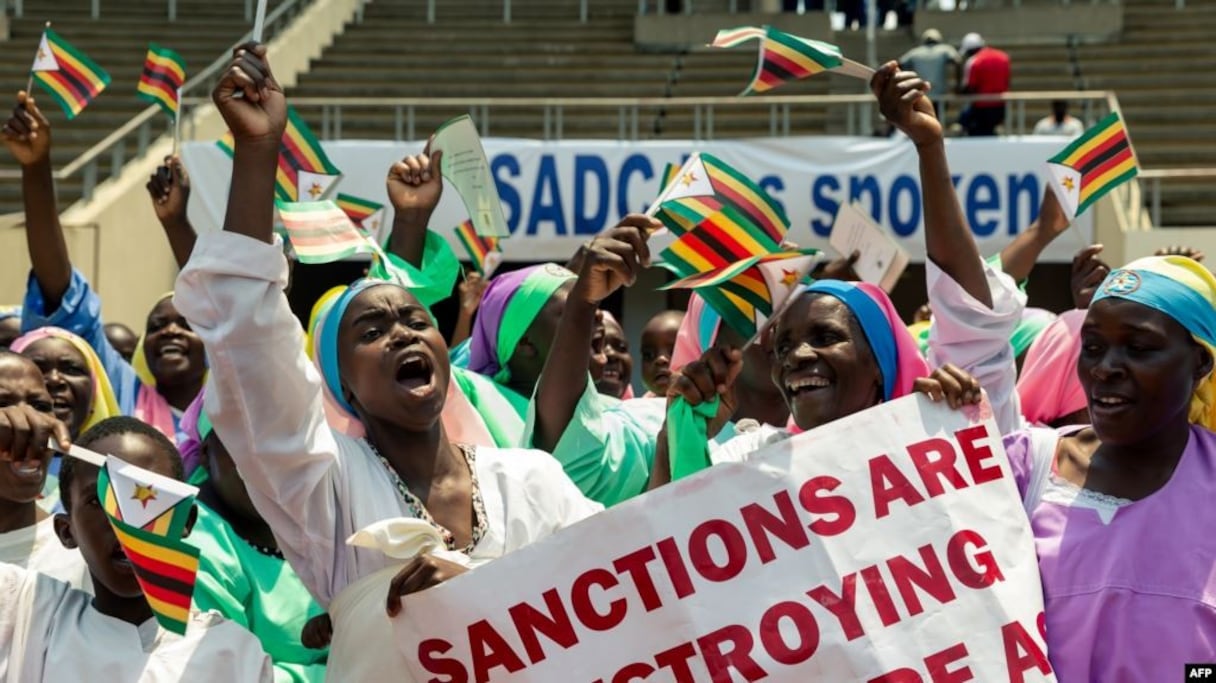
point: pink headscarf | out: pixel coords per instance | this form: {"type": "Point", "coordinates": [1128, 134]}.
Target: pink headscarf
{"type": "Point", "coordinates": [697, 333]}
{"type": "Point", "coordinates": [907, 363]}
{"type": "Point", "coordinates": [1048, 387]}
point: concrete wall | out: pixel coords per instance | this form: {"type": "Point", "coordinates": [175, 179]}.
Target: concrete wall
{"type": "Point", "coordinates": [692, 31]}
{"type": "Point", "coordinates": [1035, 24]}
{"type": "Point", "coordinates": [122, 249]}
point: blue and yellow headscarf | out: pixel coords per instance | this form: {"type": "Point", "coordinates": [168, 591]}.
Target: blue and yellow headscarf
{"type": "Point", "coordinates": [329, 318]}
{"type": "Point", "coordinates": [1184, 290]}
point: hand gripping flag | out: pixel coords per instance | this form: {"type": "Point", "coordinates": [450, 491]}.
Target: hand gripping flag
{"type": "Point", "coordinates": [785, 57]}
{"type": "Point", "coordinates": [71, 78]}
{"type": "Point", "coordinates": [163, 75]}
{"type": "Point", "coordinates": [305, 172]}
{"type": "Point", "coordinates": [1092, 165]}
{"type": "Point", "coordinates": [148, 513]}
{"type": "Point", "coordinates": [704, 186]}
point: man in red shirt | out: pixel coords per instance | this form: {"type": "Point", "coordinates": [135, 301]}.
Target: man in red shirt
{"type": "Point", "coordinates": [986, 71]}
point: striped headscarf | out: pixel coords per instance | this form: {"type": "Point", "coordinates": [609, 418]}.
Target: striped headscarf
{"type": "Point", "coordinates": [508, 306]}
{"type": "Point", "coordinates": [104, 403]}
{"type": "Point", "coordinates": [1185, 291]}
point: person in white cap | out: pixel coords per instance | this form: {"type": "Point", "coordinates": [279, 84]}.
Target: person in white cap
{"type": "Point", "coordinates": [930, 59]}
{"type": "Point", "coordinates": [986, 71]}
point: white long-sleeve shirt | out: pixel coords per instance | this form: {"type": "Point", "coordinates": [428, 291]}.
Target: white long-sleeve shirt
{"type": "Point", "coordinates": [313, 486]}
{"type": "Point", "coordinates": [51, 632]}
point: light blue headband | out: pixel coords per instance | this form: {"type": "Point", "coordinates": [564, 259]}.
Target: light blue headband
{"type": "Point", "coordinates": [874, 325]}
{"type": "Point", "coordinates": [327, 351]}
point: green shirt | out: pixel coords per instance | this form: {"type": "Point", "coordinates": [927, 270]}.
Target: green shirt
{"type": "Point", "coordinates": [258, 592]}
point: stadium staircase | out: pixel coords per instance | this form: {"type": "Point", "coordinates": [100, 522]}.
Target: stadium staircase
{"type": "Point", "coordinates": [118, 41]}
{"type": "Point", "coordinates": [1157, 68]}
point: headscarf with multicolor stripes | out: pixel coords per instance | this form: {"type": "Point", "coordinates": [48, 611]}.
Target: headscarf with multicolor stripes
{"type": "Point", "coordinates": [1184, 290]}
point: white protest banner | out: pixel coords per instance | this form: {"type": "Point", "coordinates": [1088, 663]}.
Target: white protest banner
{"type": "Point", "coordinates": [887, 547]}
{"type": "Point", "coordinates": [555, 195]}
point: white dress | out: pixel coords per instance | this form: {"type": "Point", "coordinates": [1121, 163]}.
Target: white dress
{"type": "Point", "coordinates": [38, 549]}
{"type": "Point", "coordinates": [313, 486]}
{"type": "Point", "coordinates": [50, 632]}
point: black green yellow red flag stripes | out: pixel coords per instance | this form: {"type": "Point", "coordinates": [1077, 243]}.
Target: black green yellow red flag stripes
{"type": "Point", "coordinates": [163, 75]}
{"type": "Point", "coordinates": [1092, 165]}
{"type": "Point", "coordinates": [72, 79]}
{"type": "Point", "coordinates": [783, 57]}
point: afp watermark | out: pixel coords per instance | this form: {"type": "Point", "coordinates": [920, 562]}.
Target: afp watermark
{"type": "Point", "coordinates": [1200, 672]}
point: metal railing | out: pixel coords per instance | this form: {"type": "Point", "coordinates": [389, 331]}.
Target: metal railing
{"type": "Point", "coordinates": [1154, 178]}
{"type": "Point", "coordinates": [860, 111]}
{"type": "Point", "coordinates": [92, 166]}
{"type": "Point", "coordinates": [95, 9]}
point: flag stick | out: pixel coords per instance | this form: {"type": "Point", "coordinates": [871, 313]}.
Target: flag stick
{"type": "Point", "coordinates": [79, 453]}
{"type": "Point", "coordinates": [259, 21]}
{"type": "Point", "coordinates": [29, 85]}
{"type": "Point", "coordinates": [663, 194]}
{"type": "Point", "coordinates": [177, 123]}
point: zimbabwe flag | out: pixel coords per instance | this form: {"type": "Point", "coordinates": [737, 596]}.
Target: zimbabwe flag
{"type": "Point", "coordinates": [162, 78]}
{"type": "Point", "coordinates": [71, 78]}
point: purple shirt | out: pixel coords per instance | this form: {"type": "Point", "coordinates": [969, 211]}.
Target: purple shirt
{"type": "Point", "coordinates": [1132, 601]}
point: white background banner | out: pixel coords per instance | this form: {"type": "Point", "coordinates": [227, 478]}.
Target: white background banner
{"type": "Point", "coordinates": [888, 547]}
{"type": "Point", "coordinates": [558, 194]}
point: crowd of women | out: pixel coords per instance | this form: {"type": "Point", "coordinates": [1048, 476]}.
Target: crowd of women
{"type": "Point", "coordinates": [365, 424]}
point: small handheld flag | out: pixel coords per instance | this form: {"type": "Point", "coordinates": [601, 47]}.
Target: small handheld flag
{"type": "Point", "coordinates": [163, 75]}
{"type": "Point", "coordinates": [785, 57]}
{"type": "Point", "coordinates": [148, 513]}
{"type": "Point", "coordinates": [71, 78]}
{"type": "Point", "coordinates": [304, 171]}
{"type": "Point", "coordinates": [1092, 165]}
{"type": "Point", "coordinates": [750, 292]}
{"type": "Point", "coordinates": [704, 185]}
{"type": "Point", "coordinates": [484, 252]}
{"type": "Point", "coordinates": [321, 232]}
{"type": "Point", "coordinates": [367, 215]}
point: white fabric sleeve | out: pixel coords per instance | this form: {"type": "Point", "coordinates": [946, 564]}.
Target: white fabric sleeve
{"type": "Point", "coordinates": [740, 448]}
{"type": "Point", "coordinates": [263, 395]}
{"type": "Point", "coordinates": [975, 338]}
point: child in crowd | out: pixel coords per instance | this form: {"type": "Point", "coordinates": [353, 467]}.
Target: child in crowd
{"type": "Point", "coordinates": [658, 345]}
{"type": "Point", "coordinates": [52, 632]}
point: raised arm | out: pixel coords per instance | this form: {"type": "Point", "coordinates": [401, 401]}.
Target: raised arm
{"type": "Point", "coordinates": [470, 290]}
{"type": "Point", "coordinates": [1020, 255]}
{"type": "Point", "coordinates": [27, 135]}
{"type": "Point", "coordinates": [608, 262]}
{"type": "Point", "coordinates": [263, 397]}
{"type": "Point", "coordinates": [169, 188]}
{"type": "Point", "coordinates": [414, 188]}
{"type": "Point", "coordinates": [948, 241]}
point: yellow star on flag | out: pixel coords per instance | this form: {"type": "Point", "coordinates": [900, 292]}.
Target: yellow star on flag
{"type": "Point", "coordinates": [315, 191]}
{"type": "Point", "coordinates": [144, 493]}
{"type": "Point", "coordinates": [1068, 184]}
{"type": "Point", "coordinates": [789, 277]}
{"type": "Point", "coordinates": [41, 54]}
{"type": "Point", "coordinates": [688, 179]}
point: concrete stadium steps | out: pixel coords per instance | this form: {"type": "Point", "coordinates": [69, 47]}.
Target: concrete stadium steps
{"type": "Point", "coordinates": [1162, 71]}
{"type": "Point", "coordinates": [118, 42]}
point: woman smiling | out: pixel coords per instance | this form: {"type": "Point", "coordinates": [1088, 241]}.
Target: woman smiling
{"type": "Point", "coordinates": [1121, 509]}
